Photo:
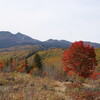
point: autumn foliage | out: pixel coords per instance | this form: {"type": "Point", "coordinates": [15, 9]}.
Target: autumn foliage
{"type": "Point", "coordinates": [80, 58]}
{"type": "Point", "coordinates": [95, 76]}
{"type": "Point", "coordinates": [1, 65]}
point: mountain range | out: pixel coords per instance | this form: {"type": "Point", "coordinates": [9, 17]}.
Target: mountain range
{"type": "Point", "coordinates": [8, 39]}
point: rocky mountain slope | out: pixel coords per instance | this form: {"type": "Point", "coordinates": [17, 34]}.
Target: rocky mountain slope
{"type": "Point", "coordinates": [8, 39]}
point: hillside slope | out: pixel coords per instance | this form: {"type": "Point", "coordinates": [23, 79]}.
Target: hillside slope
{"type": "Point", "coordinates": [50, 58]}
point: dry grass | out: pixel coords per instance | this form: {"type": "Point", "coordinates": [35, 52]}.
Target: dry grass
{"type": "Point", "coordinates": [26, 87]}
{"type": "Point", "coordinates": [18, 86]}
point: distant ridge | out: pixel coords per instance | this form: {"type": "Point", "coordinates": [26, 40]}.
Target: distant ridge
{"type": "Point", "coordinates": [8, 39]}
{"type": "Point", "coordinates": [25, 38]}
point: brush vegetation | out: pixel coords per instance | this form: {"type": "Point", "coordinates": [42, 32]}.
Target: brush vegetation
{"type": "Point", "coordinates": [52, 84]}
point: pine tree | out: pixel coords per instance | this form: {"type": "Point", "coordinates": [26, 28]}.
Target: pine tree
{"type": "Point", "coordinates": [37, 62]}
{"type": "Point", "coordinates": [26, 66]}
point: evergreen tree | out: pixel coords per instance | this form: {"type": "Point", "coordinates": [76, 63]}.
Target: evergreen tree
{"type": "Point", "coordinates": [10, 62]}
{"type": "Point", "coordinates": [26, 66]}
{"type": "Point", "coordinates": [37, 62]}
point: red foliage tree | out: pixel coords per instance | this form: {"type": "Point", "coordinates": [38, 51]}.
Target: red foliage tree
{"type": "Point", "coordinates": [95, 76]}
{"type": "Point", "coordinates": [80, 58]}
{"type": "Point", "coordinates": [1, 65]}
{"type": "Point", "coordinates": [23, 67]}
{"type": "Point", "coordinates": [31, 72]}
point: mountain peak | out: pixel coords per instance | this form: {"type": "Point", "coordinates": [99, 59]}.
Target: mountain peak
{"type": "Point", "coordinates": [25, 38]}
{"type": "Point", "coordinates": [20, 34]}
{"type": "Point", "coordinates": [52, 40]}
{"type": "Point", "coordinates": [5, 33]}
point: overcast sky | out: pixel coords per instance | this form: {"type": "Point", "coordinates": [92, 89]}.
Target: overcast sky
{"type": "Point", "coordinates": [70, 20]}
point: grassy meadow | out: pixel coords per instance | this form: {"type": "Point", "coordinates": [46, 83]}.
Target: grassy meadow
{"type": "Point", "coordinates": [53, 86]}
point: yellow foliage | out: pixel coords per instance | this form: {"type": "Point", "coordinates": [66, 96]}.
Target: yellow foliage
{"type": "Point", "coordinates": [35, 69]}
